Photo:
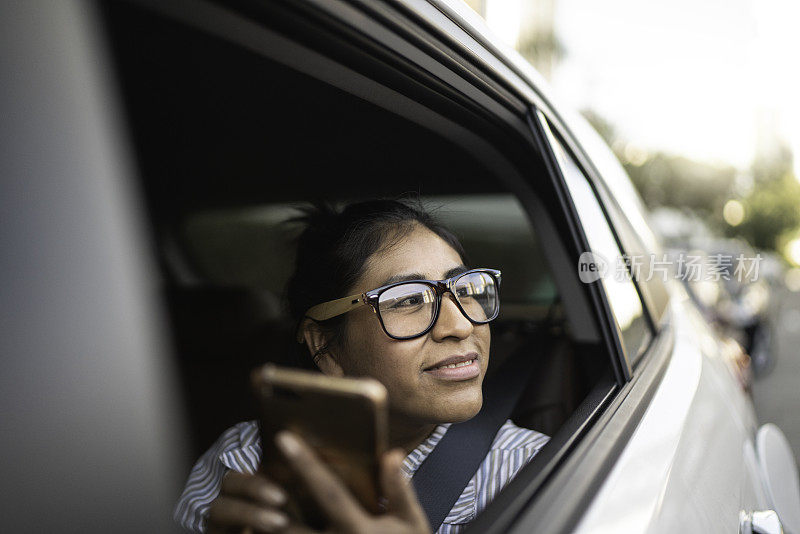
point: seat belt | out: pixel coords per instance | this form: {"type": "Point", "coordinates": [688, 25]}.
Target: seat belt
{"type": "Point", "coordinates": [443, 475]}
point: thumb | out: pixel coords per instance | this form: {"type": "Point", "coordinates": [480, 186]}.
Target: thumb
{"type": "Point", "coordinates": [402, 501]}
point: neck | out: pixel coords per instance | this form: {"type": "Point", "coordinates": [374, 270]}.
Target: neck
{"type": "Point", "coordinates": [407, 434]}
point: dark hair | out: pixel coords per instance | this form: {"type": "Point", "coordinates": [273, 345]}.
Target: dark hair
{"type": "Point", "coordinates": [335, 245]}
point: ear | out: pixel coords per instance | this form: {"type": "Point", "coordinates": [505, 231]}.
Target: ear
{"type": "Point", "coordinates": [317, 341]}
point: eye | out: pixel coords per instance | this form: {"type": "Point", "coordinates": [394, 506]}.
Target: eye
{"type": "Point", "coordinates": [409, 301]}
{"type": "Point", "coordinates": [469, 290]}
{"type": "Point", "coordinates": [406, 298]}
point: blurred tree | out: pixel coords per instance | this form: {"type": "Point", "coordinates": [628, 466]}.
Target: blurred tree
{"type": "Point", "coordinates": [603, 127]}
{"type": "Point", "coordinates": [479, 6]}
{"type": "Point", "coordinates": [674, 181]}
{"type": "Point", "coordinates": [772, 205]}
{"type": "Point", "coordinates": [772, 209]}
{"type": "Point", "coordinates": [542, 48]}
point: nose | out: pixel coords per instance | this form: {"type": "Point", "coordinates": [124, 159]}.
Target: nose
{"type": "Point", "coordinates": [451, 322]}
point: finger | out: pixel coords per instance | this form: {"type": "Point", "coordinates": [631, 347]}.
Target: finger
{"type": "Point", "coordinates": [230, 512]}
{"type": "Point", "coordinates": [401, 499]}
{"type": "Point", "coordinates": [296, 528]}
{"type": "Point", "coordinates": [293, 528]}
{"type": "Point", "coordinates": [328, 491]}
{"type": "Point", "coordinates": [255, 487]}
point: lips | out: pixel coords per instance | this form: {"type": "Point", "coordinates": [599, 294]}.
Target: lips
{"type": "Point", "coordinates": [454, 360]}
{"type": "Point", "coordinates": [457, 367]}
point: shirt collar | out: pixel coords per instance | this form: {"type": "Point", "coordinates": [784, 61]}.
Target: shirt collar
{"type": "Point", "coordinates": [418, 455]}
{"type": "Point", "coordinates": [245, 459]}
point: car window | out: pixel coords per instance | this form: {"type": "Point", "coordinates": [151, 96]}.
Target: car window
{"type": "Point", "coordinates": [628, 214]}
{"type": "Point", "coordinates": [654, 265]}
{"type": "Point", "coordinates": [607, 263]}
{"type": "Point", "coordinates": [616, 179]}
{"type": "Point", "coordinates": [241, 258]}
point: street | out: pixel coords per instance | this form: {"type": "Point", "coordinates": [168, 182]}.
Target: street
{"type": "Point", "coordinates": [776, 394]}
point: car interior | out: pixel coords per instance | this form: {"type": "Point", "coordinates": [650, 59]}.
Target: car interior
{"type": "Point", "coordinates": [229, 144]}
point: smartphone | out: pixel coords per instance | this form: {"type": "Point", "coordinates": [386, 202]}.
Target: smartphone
{"type": "Point", "coordinates": [343, 419]}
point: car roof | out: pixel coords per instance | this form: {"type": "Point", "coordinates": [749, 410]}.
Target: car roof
{"type": "Point", "coordinates": [459, 22]}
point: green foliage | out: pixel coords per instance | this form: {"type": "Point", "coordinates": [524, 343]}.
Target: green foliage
{"type": "Point", "coordinates": [771, 209]}
{"type": "Point", "coordinates": [772, 206]}
{"type": "Point", "coordinates": [674, 181]}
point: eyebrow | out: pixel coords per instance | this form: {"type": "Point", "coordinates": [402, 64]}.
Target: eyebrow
{"type": "Point", "coordinates": [419, 276]}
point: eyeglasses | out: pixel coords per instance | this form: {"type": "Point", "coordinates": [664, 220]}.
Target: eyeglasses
{"type": "Point", "coordinates": [409, 309]}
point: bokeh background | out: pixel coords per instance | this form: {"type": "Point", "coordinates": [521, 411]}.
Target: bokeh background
{"type": "Point", "coordinates": [699, 101]}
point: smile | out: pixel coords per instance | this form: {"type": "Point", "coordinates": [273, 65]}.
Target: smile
{"type": "Point", "coordinates": [456, 368]}
{"type": "Point", "coordinates": [454, 365]}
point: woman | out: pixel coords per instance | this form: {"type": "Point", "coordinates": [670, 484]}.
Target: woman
{"type": "Point", "coordinates": [432, 360]}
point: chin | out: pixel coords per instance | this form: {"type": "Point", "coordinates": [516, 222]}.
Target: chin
{"type": "Point", "coordinates": [461, 409]}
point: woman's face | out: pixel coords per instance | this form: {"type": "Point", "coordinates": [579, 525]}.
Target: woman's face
{"type": "Point", "coordinates": [419, 387]}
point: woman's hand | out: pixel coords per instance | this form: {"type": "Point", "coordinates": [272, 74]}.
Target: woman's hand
{"type": "Point", "coordinates": [252, 501]}
{"type": "Point", "coordinates": [403, 515]}
{"type": "Point", "coordinates": [247, 501]}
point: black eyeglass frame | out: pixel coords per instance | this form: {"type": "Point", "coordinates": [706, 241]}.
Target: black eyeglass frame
{"type": "Point", "coordinates": [334, 308]}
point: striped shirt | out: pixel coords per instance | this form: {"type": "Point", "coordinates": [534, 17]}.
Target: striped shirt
{"type": "Point", "coordinates": [239, 448]}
